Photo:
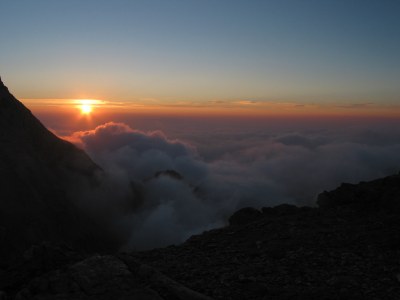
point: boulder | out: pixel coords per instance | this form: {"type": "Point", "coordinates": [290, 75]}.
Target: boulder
{"type": "Point", "coordinates": [244, 216]}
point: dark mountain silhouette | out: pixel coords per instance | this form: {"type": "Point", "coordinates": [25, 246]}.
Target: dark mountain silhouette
{"type": "Point", "coordinates": [38, 172]}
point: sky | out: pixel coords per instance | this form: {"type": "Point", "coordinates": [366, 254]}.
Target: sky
{"type": "Point", "coordinates": [253, 103]}
{"type": "Point", "coordinates": [223, 57]}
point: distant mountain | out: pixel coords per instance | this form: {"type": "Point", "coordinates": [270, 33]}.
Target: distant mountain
{"type": "Point", "coordinates": [38, 172]}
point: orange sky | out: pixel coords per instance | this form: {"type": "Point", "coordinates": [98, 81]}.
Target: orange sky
{"type": "Point", "coordinates": [239, 108]}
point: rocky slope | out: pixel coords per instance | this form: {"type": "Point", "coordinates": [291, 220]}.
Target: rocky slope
{"type": "Point", "coordinates": [349, 248]}
{"type": "Point", "coordinates": [38, 173]}
{"type": "Point", "coordinates": [341, 250]}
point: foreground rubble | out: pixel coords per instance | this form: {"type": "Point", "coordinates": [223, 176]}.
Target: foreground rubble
{"type": "Point", "coordinates": [349, 248]}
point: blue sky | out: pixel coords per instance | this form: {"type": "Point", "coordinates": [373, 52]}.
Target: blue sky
{"type": "Point", "coordinates": [300, 51]}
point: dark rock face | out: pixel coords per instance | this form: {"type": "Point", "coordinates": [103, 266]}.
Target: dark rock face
{"type": "Point", "coordinates": [99, 277]}
{"type": "Point", "coordinates": [38, 174]}
{"type": "Point", "coordinates": [244, 216]}
{"type": "Point", "coordinates": [248, 215]}
{"type": "Point", "coordinates": [383, 193]}
{"type": "Point", "coordinates": [287, 252]}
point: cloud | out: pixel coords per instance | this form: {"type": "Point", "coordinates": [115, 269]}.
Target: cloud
{"type": "Point", "coordinates": [140, 155]}
{"type": "Point", "coordinates": [300, 140]}
{"type": "Point", "coordinates": [157, 209]}
{"type": "Point", "coordinates": [159, 191]}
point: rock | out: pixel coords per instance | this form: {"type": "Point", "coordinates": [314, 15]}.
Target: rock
{"type": "Point", "coordinates": [378, 194]}
{"type": "Point", "coordinates": [98, 277]}
{"type": "Point", "coordinates": [285, 209]}
{"type": "Point", "coordinates": [244, 216]}
{"type": "Point", "coordinates": [347, 252]}
{"type": "Point", "coordinates": [104, 277]}
{"type": "Point", "coordinates": [38, 171]}
{"type": "Point", "coordinates": [3, 295]}
{"type": "Point", "coordinates": [162, 283]}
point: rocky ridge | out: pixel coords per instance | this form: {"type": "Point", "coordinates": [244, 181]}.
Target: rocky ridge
{"type": "Point", "coordinates": [348, 248]}
{"type": "Point", "coordinates": [38, 175]}
{"type": "Point", "coordinates": [343, 250]}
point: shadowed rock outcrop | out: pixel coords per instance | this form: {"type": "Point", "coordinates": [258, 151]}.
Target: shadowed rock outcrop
{"type": "Point", "coordinates": [348, 249]}
{"type": "Point", "coordinates": [39, 173]}
{"type": "Point", "coordinates": [99, 277]}
{"type": "Point", "coordinates": [383, 193]}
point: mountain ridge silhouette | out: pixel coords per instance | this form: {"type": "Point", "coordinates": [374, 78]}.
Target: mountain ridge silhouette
{"type": "Point", "coordinates": [38, 174]}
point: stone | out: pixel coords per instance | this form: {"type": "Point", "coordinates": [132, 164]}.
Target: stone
{"type": "Point", "coordinates": [244, 216]}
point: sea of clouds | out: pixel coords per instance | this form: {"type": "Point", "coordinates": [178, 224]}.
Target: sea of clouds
{"type": "Point", "coordinates": [217, 172]}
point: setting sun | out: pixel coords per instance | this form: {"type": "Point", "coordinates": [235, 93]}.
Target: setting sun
{"type": "Point", "coordinates": [86, 109]}
{"type": "Point", "coordinates": [86, 106]}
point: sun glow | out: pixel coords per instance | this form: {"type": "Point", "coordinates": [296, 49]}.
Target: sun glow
{"type": "Point", "coordinates": [86, 109]}
{"type": "Point", "coordinates": [86, 106]}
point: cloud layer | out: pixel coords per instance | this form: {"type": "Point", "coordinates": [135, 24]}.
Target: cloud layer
{"type": "Point", "coordinates": [161, 191]}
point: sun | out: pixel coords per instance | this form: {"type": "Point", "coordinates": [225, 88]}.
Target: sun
{"type": "Point", "coordinates": [86, 109]}
{"type": "Point", "coordinates": [87, 106]}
